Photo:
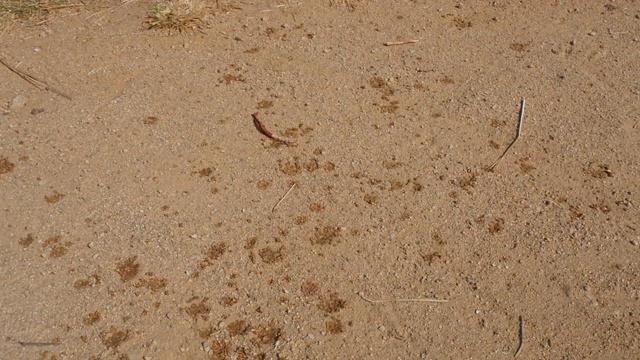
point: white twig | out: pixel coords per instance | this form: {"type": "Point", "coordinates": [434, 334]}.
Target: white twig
{"type": "Point", "coordinates": [400, 300]}
{"type": "Point", "coordinates": [393, 43]}
{"type": "Point", "coordinates": [282, 198]}
{"type": "Point", "coordinates": [490, 168]}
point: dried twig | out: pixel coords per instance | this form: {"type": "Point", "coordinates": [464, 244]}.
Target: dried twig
{"type": "Point", "coordinates": [263, 129]}
{"type": "Point", "coordinates": [282, 198]}
{"type": "Point", "coordinates": [6, 28]}
{"type": "Point", "coordinates": [26, 343]}
{"type": "Point", "coordinates": [393, 43]}
{"type": "Point", "coordinates": [521, 336]}
{"type": "Point", "coordinates": [490, 168]}
{"type": "Point", "coordinates": [33, 80]}
{"type": "Point", "coordinates": [400, 300]}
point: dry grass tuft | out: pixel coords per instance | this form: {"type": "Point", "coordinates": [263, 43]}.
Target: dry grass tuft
{"type": "Point", "coordinates": [30, 9]}
{"type": "Point", "coordinates": [177, 15]}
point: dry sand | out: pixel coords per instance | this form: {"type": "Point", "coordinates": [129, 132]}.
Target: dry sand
{"type": "Point", "coordinates": [137, 217]}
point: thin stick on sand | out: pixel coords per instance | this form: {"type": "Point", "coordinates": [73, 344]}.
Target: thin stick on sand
{"type": "Point", "coordinates": [282, 198]}
{"type": "Point", "coordinates": [490, 168]}
{"type": "Point", "coordinates": [33, 80]}
{"type": "Point", "coordinates": [400, 300]}
{"type": "Point", "coordinates": [28, 343]}
{"type": "Point", "coordinates": [521, 336]}
{"type": "Point", "coordinates": [393, 43]}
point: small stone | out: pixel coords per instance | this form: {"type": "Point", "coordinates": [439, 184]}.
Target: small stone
{"type": "Point", "coordinates": [572, 42]}
{"type": "Point", "coordinates": [592, 33]}
{"type": "Point", "coordinates": [36, 111]}
{"type": "Point", "coordinates": [17, 102]}
{"type": "Point", "coordinates": [194, 236]}
{"type": "Point", "coordinates": [634, 243]}
{"type": "Point", "coordinates": [382, 328]}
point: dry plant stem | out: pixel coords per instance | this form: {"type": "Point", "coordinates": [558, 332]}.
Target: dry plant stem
{"type": "Point", "coordinates": [393, 43]}
{"type": "Point", "coordinates": [33, 80]}
{"type": "Point", "coordinates": [401, 300]}
{"type": "Point", "coordinates": [5, 29]}
{"type": "Point", "coordinates": [521, 336]}
{"type": "Point", "coordinates": [282, 198]}
{"type": "Point", "coordinates": [58, 7]}
{"type": "Point", "coordinates": [263, 129]}
{"type": "Point", "coordinates": [25, 343]}
{"type": "Point", "coordinates": [490, 168]}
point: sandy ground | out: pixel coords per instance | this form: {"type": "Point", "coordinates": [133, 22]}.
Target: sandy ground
{"type": "Point", "coordinates": [138, 216]}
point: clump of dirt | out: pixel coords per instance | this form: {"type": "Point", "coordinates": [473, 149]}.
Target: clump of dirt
{"type": "Point", "coordinates": [198, 309]}
{"type": "Point", "coordinates": [325, 236]}
{"type": "Point", "coordinates": [92, 318]}
{"type": "Point", "coordinates": [153, 283]}
{"type": "Point", "coordinates": [238, 327]}
{"type": "Point", "coordinates": [26, 241]}
{"type": "Point", "coordinates": [290, 167]}
{"type": "Point", "coordinates": [128, 269]}
{"type": "Point", "coordinates": [216, 251]}
{"type": "Point", "coordinates": [334, 326]}
{"type": "Point", "coordinates": [266, 334]}
{"type": "Point", "coordinates": [114, 337]}
{"type": "Point", "coordinates": [309, 288]}
{"type": "Point", "coordinates": [6, 166]}
{"type": "Point", "coordinates": [54, 198]}
{"type": "Point", "coordinates": [271, 256]}
{"type": "Point", "coordinates": [220, 349]}
{"type": "Point", "coordinates": [331, 303]}
{"type": "Point", "coordinates": [228, 301]}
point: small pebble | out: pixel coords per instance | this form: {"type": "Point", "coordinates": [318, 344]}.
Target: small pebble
{"type": "Point", "coordinates": [17, 102]}
{"type": "Point", "coordinates": [634, 243]}
{"type": "Point", "coordinates": [382, 328]}
{"type": "Point", "coordinates": [593, 33]}
{"type": "Point", "coordinates": [35, 111]}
